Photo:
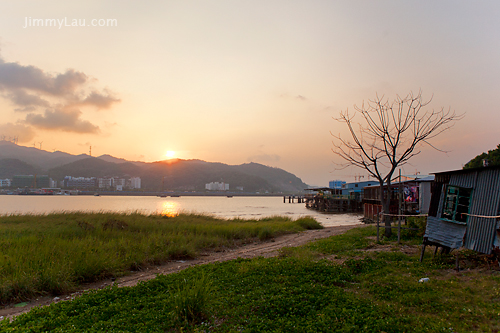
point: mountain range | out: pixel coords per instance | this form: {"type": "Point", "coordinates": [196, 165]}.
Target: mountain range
{"type": "Point", "coordinates": [176, 174]}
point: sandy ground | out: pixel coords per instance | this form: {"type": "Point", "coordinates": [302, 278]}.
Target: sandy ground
{"type": "Point", "coordinates": [265, 249]}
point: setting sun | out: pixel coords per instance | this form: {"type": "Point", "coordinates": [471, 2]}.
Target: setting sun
{"type": "Point", "coordinates": [170, 154]}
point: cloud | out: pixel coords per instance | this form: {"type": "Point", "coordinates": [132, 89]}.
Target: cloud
{"type": "Point", "coordinates": [64, 120]}
{"type": "Point", "coordinates": [101, 101]}
{"type": "Point", "coordinates": [20, 131]}
{"type": "Point", "coordinates": [264, 158]}
{"type": "Point", "coordinates": [33, 90]}
{"type": "Point", "coordinates": [16, 76]}
{"type": "Point", "coordinates": [28, 102]}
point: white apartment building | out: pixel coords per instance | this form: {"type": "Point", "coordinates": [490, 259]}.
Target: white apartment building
{"type": "Point", "coordinates": [5, 182]}
{"type": "Point", "coordinates": [105, 182]}
{"type": "Point", "coordinates": [216, 186]}
{"type": "Point", "coordinates": [135, 182]}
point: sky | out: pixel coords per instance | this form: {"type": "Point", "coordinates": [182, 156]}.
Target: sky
{"type": "Point", "coordinates": [244, 81]}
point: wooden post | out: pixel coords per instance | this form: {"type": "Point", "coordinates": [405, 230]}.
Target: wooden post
{"type": "Point", "coordinates": [378, 220]}
{"type": "Point", "coordinates": [284, 199]}
{"type": "Point", "coordinates": [423, 251]}
{"type": "Point", "coordinates": [399, 231]}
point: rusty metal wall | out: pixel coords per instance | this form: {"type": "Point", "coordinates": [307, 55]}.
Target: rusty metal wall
{"type": "Point", "coordinates": [485, 200]}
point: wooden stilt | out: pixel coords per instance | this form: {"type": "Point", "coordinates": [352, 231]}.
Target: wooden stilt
{"type": "Point", "coordinates": [423, 252]}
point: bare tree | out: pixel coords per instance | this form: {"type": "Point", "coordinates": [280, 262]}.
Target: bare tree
{"type": "Point", "coordinates": [388, 135]}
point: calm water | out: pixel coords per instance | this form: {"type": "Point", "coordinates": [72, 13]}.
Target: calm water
{"type": "Point", "coordinates": [242, 207]}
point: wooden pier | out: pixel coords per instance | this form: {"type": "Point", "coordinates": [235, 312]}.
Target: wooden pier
{"type": "Point", "coordinates": [333, 204]}
{"type": "Point", "coordinates": [291, 198]}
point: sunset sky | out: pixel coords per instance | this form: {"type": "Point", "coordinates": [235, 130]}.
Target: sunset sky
{"type": "Point", "coordinates": [243, 81]}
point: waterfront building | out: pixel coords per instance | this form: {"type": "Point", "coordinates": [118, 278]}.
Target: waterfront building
{"type": "Point", "coordinates": [105, 182]}
{"type": "Point", "coordinates": [464, 210]}
{"type": "Point", "coordinates": [79, 182]}
{"type": "Point", "coordinates": [336, 184]}
{"type": "Point", "coordinates": [216, 186]}
{"type": "Point", "coordinates": [118, 182]}
{"type": "Point", "coordinates": [5, 182]}
{"type": "Point", "coordinates": [32, 181]}
{"type": "Point", "coordinates": [356, 189]}
{"type": "Point", "coordinates": [135, 183]}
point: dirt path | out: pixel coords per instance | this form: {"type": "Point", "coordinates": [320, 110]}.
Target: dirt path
{"type": "Point", "coordinates": [265, 249]}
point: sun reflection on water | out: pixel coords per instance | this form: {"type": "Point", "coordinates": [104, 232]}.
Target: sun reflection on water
{"type": "Point", "coordinates": [169, 208]}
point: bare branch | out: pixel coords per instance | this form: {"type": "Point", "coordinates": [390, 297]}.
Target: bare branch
{"type": "Point", "coordinates": [389, 134]}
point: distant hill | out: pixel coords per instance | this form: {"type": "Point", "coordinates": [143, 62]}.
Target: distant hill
{"type": "Point", "coordinates": [9, 167]}
{"type": "Point", "coordinates": [163, 175]}
{"type": "Point", "coordinates": [37, 157]}
{"type": "Point", "coordinates": [94, 167]}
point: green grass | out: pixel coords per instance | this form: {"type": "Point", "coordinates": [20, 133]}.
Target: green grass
{"type": "Point", "coordinates": [55, 253]}
{"type": "Point", "coordinates": [298, 291]}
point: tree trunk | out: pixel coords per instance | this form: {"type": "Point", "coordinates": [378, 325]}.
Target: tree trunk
{"type": "Point", "coordinates": [387, 208]}
{"type": "Point", "coordinates": [385, 202]}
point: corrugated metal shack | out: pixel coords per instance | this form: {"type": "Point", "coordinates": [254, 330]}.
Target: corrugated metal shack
{"type": "Point", "coordinates": [462, 206]}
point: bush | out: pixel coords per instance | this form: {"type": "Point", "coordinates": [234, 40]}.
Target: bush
{"type": "Point", "coordinates": [309, 223]}
{"type": "Point", "coordinates": [418, 222]}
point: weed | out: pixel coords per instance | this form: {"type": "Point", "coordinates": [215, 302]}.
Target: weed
{"type": "Point", "coordinates": [192, 299]}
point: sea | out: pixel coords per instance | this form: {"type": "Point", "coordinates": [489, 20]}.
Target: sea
{"type": "Point", "coordinates": [223, 207]}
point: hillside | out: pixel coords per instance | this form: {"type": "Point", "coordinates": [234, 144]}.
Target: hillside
{"type": "Point", "coordinates": [36, 157]}
{"type": "Point", "coordinates": [94, 167]}
{"type": "Point", "coordinates": [11, 166]}
{"type": "Point", "coordinates": [492, 158]}
{"type": "Point", "coordinates": [180, 175]}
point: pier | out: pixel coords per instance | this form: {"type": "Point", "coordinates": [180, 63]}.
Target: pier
{"type": "Point", "coordinates": [291, 198]}
{"type": "Point", "coordinates": [328, 200]}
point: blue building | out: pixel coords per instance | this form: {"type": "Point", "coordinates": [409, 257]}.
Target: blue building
{"type": "Point", "coordinates": [356, 188]}
{"type": "Point", "coordinates": [336, 184]}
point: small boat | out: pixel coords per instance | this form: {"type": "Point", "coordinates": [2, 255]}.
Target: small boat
{"type": "Point", "coordinates": [97, 195]}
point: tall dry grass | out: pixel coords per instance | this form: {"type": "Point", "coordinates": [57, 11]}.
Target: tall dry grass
{"type": "Point", "coordinates": [54, 253]}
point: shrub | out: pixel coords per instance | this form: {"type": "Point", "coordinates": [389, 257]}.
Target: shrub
{"type": "Point", "coordinates": [309, 223]}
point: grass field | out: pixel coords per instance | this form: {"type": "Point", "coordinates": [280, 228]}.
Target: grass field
{"type": "Point", "coordinates": [359, 290]}
{"type": "Point", "coordinates": [55, 253]}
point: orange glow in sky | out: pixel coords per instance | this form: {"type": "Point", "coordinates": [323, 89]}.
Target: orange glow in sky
{"type": "Point", "coordinates": [235, 82]}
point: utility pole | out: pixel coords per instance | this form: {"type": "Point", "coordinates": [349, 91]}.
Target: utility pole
{"type": "Point", "coordinates": [90, 151]}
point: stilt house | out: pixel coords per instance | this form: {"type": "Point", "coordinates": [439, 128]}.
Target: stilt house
{"type": "Point", "coordinates": [464, 210]}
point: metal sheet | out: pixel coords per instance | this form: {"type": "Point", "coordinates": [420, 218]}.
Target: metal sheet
{"type": "Point", "coordinates": [485, 200]}
{"type": "Point", "coordinates": [445, 233]}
